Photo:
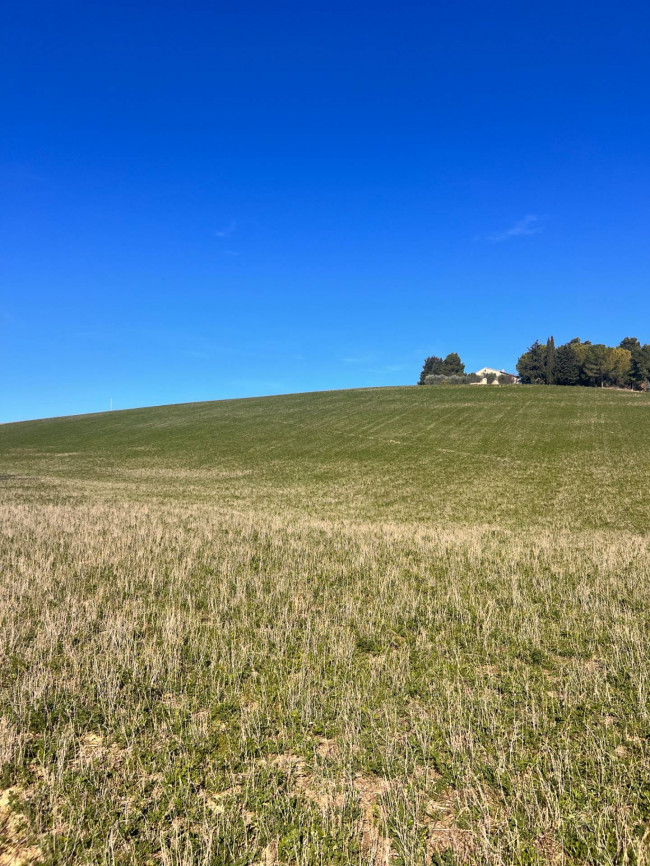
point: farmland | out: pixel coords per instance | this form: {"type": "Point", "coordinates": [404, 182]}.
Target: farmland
{"type": "Point", "coordinates": [405, 625]}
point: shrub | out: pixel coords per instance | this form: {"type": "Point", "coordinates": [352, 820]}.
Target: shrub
{"type": "Point", "coordinates": [455, 379]}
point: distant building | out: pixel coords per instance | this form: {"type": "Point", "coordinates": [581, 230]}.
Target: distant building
{"type": "Point", "coordinates": [484, 372]}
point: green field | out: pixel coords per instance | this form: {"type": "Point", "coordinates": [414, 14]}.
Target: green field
{"type": "Point", "coordinates": [405, 625]}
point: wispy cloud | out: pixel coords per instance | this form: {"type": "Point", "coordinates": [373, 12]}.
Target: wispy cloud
{"type": "Point", "coordinates": [226, 231]}
{"type": "Point", "coordinates": [529, 225]}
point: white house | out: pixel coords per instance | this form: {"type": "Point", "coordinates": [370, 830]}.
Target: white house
{"type": "Point", "coordinates": [484, 372]}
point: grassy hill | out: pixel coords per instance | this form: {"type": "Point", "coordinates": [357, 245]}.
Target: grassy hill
{"type": "Point", "coordinates": [405, 625]}
{"type": "Point", "coordinates": [506, 456]}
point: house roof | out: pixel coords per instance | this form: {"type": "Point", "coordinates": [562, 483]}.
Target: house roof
{"type": "Point", "coordinates": [485, 370]}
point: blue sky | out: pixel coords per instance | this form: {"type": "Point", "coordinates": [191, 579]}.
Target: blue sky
{"type": "Point", "coordinates": [209, 200]}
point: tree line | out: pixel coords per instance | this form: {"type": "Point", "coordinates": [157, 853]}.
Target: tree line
{"type": "Point", "coordinates": [581, 362]}
{"type": "Point", "coordinates": [451, 371]}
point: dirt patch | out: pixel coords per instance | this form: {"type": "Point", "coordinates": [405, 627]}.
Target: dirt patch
{"type": "Point", "coordinates": [328, 796]}
{"type": "Point", "coordinates": [269, 855]}
{"type": "Point", "coordinates": [215, 802]}
{"type": "Point", "coordinates": [369, 792]}
{"type": "Point", "coordinates": [376, 846]}
{"type": "Point", "coordinates": [287, 762]}
{"type": "Point", "coordinates": [549, 849]}
{"type": "Point", "coordinates": [488, 670]}
{"type": "Point", "coordinates": [94, 749]}
{"type": "Point", "coordinates": [15, 849]}
{"type": "Point", "coordinates": [443, 833]}
{"type": "Point", "coordinates": [595, 664]}
{"type": "Point", "coordinates": [328, 749]}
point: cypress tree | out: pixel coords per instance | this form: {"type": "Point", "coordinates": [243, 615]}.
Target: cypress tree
{"type": "Point", "coordinates": [550, 361]}
{"type": "Point", "coordinates": [567, 364]}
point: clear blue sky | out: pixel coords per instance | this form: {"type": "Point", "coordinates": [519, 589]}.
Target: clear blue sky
{"type": "Point", "coordinates": [208, 200]}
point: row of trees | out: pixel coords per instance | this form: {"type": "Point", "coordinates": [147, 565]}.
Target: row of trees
{"type": "Point", "coordinates": [451, 371]}
{"type": "Point", "coordinates": [583, 363]}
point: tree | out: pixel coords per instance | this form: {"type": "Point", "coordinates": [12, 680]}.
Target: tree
{"type": "Point", "coordinates": [620, 360]}
{"type": "Point", "coordinates": [532, 365]}
{"type": "Point", "coordinates": [604, 365]}
{"type": "Point", "coordinates": [452, 365]}
{"type": "Point", "coordinates": [435, 366]}
{"type": "Point", "coordinates": [598, 365]}
{"type": "Point", "coordinates": [644, 359]}
{"type": "Point", "coordinates": [550, 361]}
{"type": "Point", "coordinates": [432, 366]}
{"type": "Point", "coordinates": [490, 378]}
{"type": "Point", "coordinates": [639, 371]}
{"type": "Point", "coordinates": [644, 352]}
{"type": "Point", "coordinates": [579, 362]}
{"type": "Point", "coordinates": [567, 364]}
{"type": "Point", "coordinates": [629, 343]}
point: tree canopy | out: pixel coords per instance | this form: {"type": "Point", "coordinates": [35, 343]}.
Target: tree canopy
{"type": "Point", "coordinates": [583, 363]}
{"type": "Point", "coordinates": [435, 366]}
{"type": "Point", "coordinates": [578, 362]}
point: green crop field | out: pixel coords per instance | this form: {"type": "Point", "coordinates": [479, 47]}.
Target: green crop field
{"type": "Point", "coordinates": [384, 626]}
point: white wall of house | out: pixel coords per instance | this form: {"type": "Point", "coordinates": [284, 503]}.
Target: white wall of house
{"type": "Point", "coordinates": [485, 371]}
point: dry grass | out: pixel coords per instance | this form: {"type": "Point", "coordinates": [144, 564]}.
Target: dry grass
{"type": "Point", "coordinates": [200, 680]}
{"type": "Point", "coordinates": [194, 686]}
